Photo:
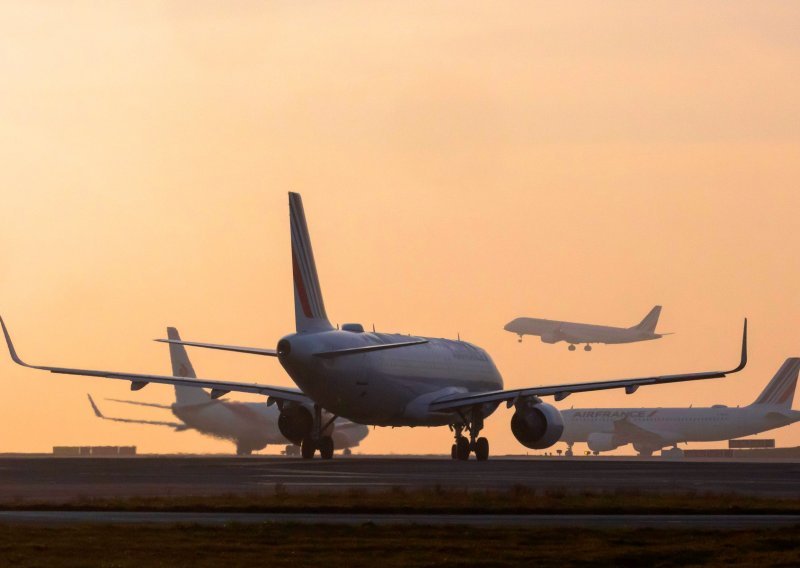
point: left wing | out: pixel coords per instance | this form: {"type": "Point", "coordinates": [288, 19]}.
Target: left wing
{"type": "Point", "coordinates": [560, 392]}
{"type": "Point", "coordinates": [138, 381]}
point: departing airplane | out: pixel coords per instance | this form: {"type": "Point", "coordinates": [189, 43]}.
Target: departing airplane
{"type": "Point", "coordinates": [386, 379]}
{"type": "Point", "coordinates": [250, 425]}
{"type": "Point", "coordinates": [552, 331]}
{"type": "Point", "coordinates": [650, 429]}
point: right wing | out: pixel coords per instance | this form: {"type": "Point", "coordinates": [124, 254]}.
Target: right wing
{"type": "Point", "coordinates": [178, 426]}
{"type": "Point", "coordinates": [459, 401]}
{"type": "Point", "coordinates": [138, 380]}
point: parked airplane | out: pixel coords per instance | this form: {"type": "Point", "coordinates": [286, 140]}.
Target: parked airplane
{"type": "Point", "coordinates": [386, 379]}
{"type": "Point", "coordinates": [650, 429]}
{"type": "Point", "coordinates": [552, 331]}
{"type": "Point", "coordinates": [250, 425]}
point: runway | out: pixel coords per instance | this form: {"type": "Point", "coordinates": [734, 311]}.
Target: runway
{"type": "Point", "coordinates": [60, 479]}
{"type": "Point", "coordinates": [707, 522]}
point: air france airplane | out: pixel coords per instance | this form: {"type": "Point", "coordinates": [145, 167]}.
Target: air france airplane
{"type": "Point", "coordinates": [252, 426]}
{"type": "Point", "coordinates": [553, 331]}
{"type": "Point", "coordinates": [650, 429]}
{"type": "Point", "coordinates": [386, 379]}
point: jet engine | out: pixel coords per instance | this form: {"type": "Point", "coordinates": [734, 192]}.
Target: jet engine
{"type": "Point", "coordinates": [536, 425]}
{"type": "Point", "coordinates": [549, 338]}
{"type": "Point", "coordinates": [295, 422]}
{"type": "Point", "coordinates": [601, 442]}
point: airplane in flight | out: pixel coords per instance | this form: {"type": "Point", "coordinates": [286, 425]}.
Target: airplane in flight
{"type": "Point", "coordinates": [385, 379]}
{"type": "Point", "coordinates": [553, 331]}
{"type": "Point", "coordinates": [250, 425]}
{"type": "Point", "coordinates": [651, 429]}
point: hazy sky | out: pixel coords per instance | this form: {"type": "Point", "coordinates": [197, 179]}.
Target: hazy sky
{"type": "Point", "coordinates": [461, 164]}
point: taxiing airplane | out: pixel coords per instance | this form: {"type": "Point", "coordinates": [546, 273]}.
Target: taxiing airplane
{"type": "Point", "coordinates": [650, 429]}
{"type": "Point", "coordinates": [553, 331]}
{"type": "Point", "coordinates": [386, 379]}
{"type": "Point", "coordinates": [250, 425]}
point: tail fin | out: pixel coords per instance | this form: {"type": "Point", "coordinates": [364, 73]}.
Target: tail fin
{"type": "Point", "coordinates": [780, 390]}
{"type": "Point", "coordinates": [182, 367]}
{"type": "Point", "coordinates": [309, 309]}
{"type": "Point", "coordinates": [650, 321]}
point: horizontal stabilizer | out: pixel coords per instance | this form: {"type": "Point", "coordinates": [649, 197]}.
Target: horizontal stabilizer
{"type": "Point", "coordinates": [235, 348]}
{"type": "Point", "coordinates": [367, 349]}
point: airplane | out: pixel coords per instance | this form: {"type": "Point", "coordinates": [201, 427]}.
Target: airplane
{"type": "Point", "coordinates": [385, 379]}
{"type": "Point", "coordinates": [553, 331]}
{"type": "Point", "coordinates": [651, 429]}
{"type": "Point", "coordinates": [250, 425]}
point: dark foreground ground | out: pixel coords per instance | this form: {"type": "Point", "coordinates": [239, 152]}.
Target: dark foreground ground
{"type": "Point", "coordinates": [278, 545]}
{"type": "Point", "coordinates": [24, 479]}
{"type": "Point", "coordinates": [174, 511]}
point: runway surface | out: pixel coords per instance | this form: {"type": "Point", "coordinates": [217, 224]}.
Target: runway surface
{"type": "Point", "coordinates": [707, 522]}
{"type": "Point", "coordinates": [58, 479]}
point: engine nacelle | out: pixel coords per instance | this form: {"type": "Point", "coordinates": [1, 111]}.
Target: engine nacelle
{"type": "Point", "coordinates": [601, 442]}
{"type": "Point", "coordinates": [537, 425]}
{"type": "Point", "coordinates": [549, 338]}
{"type": "Point", "coordinates": [295, 422]}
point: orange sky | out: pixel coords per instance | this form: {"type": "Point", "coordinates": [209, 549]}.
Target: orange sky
{"type": "Point", "coordinates": [461, 164]}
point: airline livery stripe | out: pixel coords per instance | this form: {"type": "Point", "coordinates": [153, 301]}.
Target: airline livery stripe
{"type": "Point", "coordinates": [789, 380]}
{"type": "Point", "coordinates": [301, 290]}
{"type": "Point", "coordinates": [782, 385]}
{"type": "Point", "coordinates": [306, 281]}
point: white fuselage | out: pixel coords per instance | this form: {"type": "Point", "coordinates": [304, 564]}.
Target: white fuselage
{"type": "Point", "coordinates": [655, 428]}
{"type": "Point", "coordinates": [391, 387]}
{"type": "Point", "coordinates": [552, 331]}
{"type": "Point", "coordinates": [253, 425]}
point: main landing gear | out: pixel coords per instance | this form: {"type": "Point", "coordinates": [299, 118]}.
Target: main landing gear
{"type": "Point", "coordinates": [463, 447]}
{"type": "Point", "coordinates": [571, 347]}
{"type": "Point", "coordinates": [569, 453]}
{"type": "Point", "coordinates": [316, 440]}
{"type": "Point", "coordinates": [587, 347]}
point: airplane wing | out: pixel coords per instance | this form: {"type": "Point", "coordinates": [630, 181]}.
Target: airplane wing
{"type": "Point", "coordinates": [178, 426]}
{"type": "Point", "coordinates": [273, 353]}
{"type": "Point", "coordinates": [560, 392]}
{"type": "Point", "coordinates": [138, 381]}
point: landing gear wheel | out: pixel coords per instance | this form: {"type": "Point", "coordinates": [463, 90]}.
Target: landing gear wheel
{"type": "Point", "coordinates": [326, 447]}
{"type": "Point", "coordinates": [571, 348]}
{"type": "Point", "coordinates": [462, 448]}
{"type": "Point", "coordinates": [482, 449]}
{"type": "Point", "coordinates": [454, 451]}
{"type": "Point", "coordinates": [308, 448]}
{"type": "Point", "coordinates": [347, 452]}
{"type": "Point", "coordinates": [587, 347]}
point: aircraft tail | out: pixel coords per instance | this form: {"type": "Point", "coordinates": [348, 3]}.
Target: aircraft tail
{"type": "Point", "coordinates": [650, 321]}
{"type": "Point", "coordinates": [309, 309]}
{"type": "Point", "coordinates": [780, 390]}
{"type": "Point", "coordinates": [182, 367]}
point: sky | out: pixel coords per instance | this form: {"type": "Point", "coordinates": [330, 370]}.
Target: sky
{"type": "Point", "coordinates": [461, 164]}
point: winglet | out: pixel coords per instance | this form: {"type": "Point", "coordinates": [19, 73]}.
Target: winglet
{"type": "Point", "coordinates": [94, 407]}
{"type": "Point", "coordinates": [11, 349]}
{"type": "Point", "coordinates": [743, 361]}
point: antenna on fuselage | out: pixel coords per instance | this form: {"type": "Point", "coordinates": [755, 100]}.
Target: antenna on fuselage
{"type": "Point", "coordinates": [373, 328]}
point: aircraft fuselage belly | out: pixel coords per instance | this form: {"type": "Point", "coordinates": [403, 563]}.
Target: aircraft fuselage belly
{"type": "Point", "coordinates": [390, 387]}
